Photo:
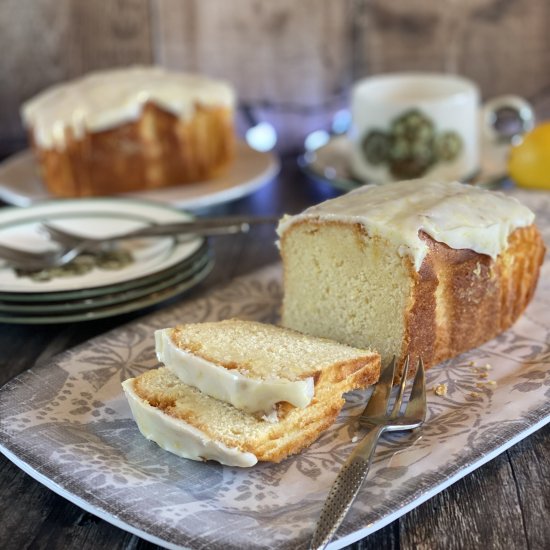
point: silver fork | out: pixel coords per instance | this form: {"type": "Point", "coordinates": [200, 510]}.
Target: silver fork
{"type": "Point", "coordinates": [205, 227]}
{"type": "Point", "coordinates": [378, 420]}
{"type": "Point", "coordinates": [73, 245]}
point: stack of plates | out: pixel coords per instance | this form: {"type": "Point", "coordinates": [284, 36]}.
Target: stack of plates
{"type": "Point", "coordinates": [159, 268]}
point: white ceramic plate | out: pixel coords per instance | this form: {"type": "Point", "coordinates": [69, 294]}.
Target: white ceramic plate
{"type": "Point", "coordinates": [120, 296]}
{"type": "Point", "coordinates": [331, 164]}
{"type": "Point", "coordinates": [35, 298]}
{"type": "Point", "coordinates": [20, 183]}
{"type": "Point", "coordinates": [68, 425]}
{"type": "Point", "coordinates": [19, 228]}
{"type": "Point", "coordinates": [152, 297]}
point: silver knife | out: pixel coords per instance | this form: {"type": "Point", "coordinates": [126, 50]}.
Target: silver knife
{"type": "Point", "coordinates": [210, 226]}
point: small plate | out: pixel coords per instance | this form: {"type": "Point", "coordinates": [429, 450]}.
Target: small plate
{"type": "Point", "coordinates": [180, 275]}
{"type": "Point", "coordinates": [94, 293]}
{"type": "Point", "coordinates": [98, 217]}
{"type": "Point", "coordinates": [331, 164]}
{"type": "Point", "coordinates": [149, 299]}
{"type": "Point", "coordinates": [20, 182]}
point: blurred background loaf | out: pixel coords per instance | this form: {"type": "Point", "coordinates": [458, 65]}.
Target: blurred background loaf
{"type": "Point", "coordinates": [129, 129]}
{"type": "Point", "coordinates": [291, 62]}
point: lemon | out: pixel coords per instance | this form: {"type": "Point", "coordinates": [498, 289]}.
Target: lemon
{"type": "Point", "coordinates": [529, 161]}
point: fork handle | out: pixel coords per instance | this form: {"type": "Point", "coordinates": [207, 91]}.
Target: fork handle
{"type": "Point", "coordinates": [205, 226]}
{"type": "Point", "coordinates": [347, 484]}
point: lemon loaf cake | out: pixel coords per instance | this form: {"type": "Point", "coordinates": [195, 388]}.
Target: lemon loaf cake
{"type": "Point", "coordinates": [418, 267]}
{"type": "Point", "coordinates": [189, 422]}
{"type": "Point", "coordinates": [254, 366]}
{"type": "Point", "coordinates": [130, 129]}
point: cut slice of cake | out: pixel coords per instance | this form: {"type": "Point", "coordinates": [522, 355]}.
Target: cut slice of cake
{"type": "Point", "coordinates": [254, 366]}
{"type": "Point", "coordinates": [131, 129]}
{"type": "Point", "coordinates": [183, 420]}
{"type": "Point", "coordinates": [417, 267]}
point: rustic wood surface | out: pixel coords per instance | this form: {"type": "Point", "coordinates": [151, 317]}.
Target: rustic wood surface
{"type": "Point", "coordinates": [45, 42]}
{"type": "Point", "coordinates": [502, 505]}
{"type": "Point", "coordinates": [503, 45]}
{"type": "Point", "coordinates": [292, 62]}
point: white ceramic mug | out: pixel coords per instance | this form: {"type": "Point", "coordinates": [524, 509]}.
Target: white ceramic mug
{"type": "Point", "coordinates": [411, 125]}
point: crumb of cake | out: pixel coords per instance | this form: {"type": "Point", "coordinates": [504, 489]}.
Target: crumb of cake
{"type": "Point", "coordinates": [484, 375]}
{"type": "Point", "coordinates": [475, 394]}
{"type": "Point", "coordinates": [492, 382]}
{"type": "Point", "coordinates": [355, 439]}
{"type": "Point", "coordinates": [480, 384]}
{"type": "Point", "coordinates": [440, 389]}
{"type": "Point", "coordinates": [472, 364]}
{"type": "Point", "coordinates": [488, 367]}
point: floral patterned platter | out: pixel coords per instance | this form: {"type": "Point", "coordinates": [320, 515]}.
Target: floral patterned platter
{"type": "Point", "coordinates": [68, 425]}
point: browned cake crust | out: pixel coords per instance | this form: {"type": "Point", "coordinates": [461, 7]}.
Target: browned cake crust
{"type": "Point", "coordinates": [158, 150]}
{"type": "Point", "coordinates": [462, 299]}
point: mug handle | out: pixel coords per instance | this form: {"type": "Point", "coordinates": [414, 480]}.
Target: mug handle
{"type": "Point", "coordinates": [519, 118]}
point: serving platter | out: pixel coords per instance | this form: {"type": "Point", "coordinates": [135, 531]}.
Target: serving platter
{"type": "Point", "coordinates": [68, 425]}
{"type": "Point", "coordinates": [21, 185]}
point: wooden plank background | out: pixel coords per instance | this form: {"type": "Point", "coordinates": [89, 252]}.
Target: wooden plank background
{"type": "Point", "coordinates": [292, 62]}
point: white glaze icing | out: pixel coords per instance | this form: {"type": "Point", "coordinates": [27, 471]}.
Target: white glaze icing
{"type": "Point", "coordinates": [105, 99]}
{"type": "Point", "coordinates": [460, 215]}
{"type": "Point", "coordinates": [179, 437]}
{"type": "Point", "coordinates": [249, 394]}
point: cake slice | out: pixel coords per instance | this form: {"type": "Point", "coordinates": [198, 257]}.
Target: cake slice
{"type": "Point", "coordinates": [184, 421]}
{"type": "Point", "coordinates": [230, 360]}
{"type": "Point", "coordinates": [254, 366]}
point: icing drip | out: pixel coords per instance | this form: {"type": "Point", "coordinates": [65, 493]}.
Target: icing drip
{"type": "Point", "coordinates": [103, 100]}
{"type": "Point", "coordinates": [457, 214]}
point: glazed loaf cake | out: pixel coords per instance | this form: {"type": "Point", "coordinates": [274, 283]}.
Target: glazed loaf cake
{"type": "Point", "coordinates": [194, 408]}
{"type": "Point", "coordinates": [133, 129]}
{"type": "Point", "coordinates": [417, 267]}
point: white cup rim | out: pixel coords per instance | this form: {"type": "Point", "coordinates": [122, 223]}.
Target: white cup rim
{"type": "Point", "coordinates": [442, 86]}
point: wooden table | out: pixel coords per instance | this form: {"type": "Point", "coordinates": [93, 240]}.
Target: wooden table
{"type": "Point", "coordinates": [504, 504]}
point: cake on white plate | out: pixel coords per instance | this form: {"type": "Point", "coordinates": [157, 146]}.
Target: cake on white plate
{"type": "Point", "coordinates": [131, 129]}
{"type": "Point", "coordinates": [417, 267]}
